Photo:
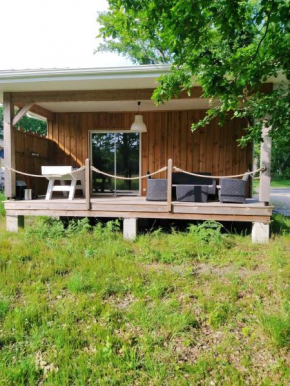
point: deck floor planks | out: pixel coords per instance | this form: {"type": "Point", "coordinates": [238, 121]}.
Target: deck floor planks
{"type": "Point", "coordinates": [124, 206]}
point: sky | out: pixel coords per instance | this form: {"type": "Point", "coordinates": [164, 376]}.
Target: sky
{"type": "Point", "coordinates": [52, 34]}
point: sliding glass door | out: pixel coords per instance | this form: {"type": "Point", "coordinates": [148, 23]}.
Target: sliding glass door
{"type": "Point", "coordinates": [116, 154]}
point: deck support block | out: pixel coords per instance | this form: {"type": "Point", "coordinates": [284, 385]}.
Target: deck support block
{"type": "Point", "coordinates": [130, 226]}
{"type": "Point", "coordinates": [13, 223]}
{"type": "Point", "coordinates": [260, 233]}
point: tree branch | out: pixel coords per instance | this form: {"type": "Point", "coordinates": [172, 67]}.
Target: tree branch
{"type": "Point", "coordinates": [266, 31]}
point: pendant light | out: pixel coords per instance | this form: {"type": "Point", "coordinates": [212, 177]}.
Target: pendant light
{"type": "Point", "coordinates": [138, 125]}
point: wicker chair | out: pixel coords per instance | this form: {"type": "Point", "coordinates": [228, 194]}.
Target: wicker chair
{"type": "Point", "coordinates": [233, 190]}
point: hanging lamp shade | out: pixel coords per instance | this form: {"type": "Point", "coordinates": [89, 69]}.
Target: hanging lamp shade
{"type": "Point", "coordinates": [138, 125]}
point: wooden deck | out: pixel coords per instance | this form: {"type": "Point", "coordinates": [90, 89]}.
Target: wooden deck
{"type": "Point", "coordinates": [138, 207]}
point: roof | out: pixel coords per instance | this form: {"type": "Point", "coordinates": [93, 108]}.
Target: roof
{"type": "Point", "coordinates": [109, 78]}
{"type": "Point", "coordinates": [55, 79]}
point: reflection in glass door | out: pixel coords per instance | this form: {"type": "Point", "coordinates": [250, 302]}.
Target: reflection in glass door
{"type": "Point", "coordinates": [116, 154]}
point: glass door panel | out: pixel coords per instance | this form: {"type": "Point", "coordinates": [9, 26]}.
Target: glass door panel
{"type": "Point", "coordinates": [127, 157]}
{"type": "Point", "coordinates": [116, 154]}
{"type": "Point", "coordinates": [103, 158]}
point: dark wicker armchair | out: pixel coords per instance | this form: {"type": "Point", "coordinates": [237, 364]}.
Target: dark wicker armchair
{"type": "Point", "coordinates": [233, 190]}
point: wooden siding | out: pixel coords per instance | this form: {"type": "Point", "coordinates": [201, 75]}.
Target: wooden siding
{"type": "Point", "coordinates": [211, 149]}
{"type": "Point", "coordinates": [32, 152]}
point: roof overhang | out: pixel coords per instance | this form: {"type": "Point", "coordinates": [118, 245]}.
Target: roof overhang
{"type": "Point", "coordinates": [132, 77]}
{"type": "Point", "coordinates": [82, 79]}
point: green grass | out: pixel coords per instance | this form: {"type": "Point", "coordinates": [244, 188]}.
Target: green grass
{"type": "Point", "coordinates": [284, 183]}
{"type": "Point", "coordinates": [81, 306]}
{"type": "Point", "coordinates": [275, 183]}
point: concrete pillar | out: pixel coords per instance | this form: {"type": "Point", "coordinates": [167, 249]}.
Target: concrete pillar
{"type": "Point", "coordinates": [130, 226]}
{"type": "Point", "coordinates": [14, 222]}
{"type": "Point", "coordinates": [260, 233]}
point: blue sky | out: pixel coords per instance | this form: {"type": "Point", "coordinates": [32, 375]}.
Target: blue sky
{"type": "Point", "coordinates": [52, 33]}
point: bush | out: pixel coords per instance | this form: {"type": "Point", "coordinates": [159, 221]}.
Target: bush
{"type": "Point", "coordinates": [2, 210]}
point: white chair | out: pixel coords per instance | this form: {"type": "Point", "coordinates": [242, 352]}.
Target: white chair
{"type": "Point", "coordinates": [62, 174]}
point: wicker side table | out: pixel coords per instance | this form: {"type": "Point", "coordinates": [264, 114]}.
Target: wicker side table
{"type": "Point", "coordinates": [192, 193]}
{"type": "Point", "coordinates": [156, 189]}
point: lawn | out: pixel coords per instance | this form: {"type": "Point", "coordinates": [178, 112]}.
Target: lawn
{"type": "Point", "coordinates": [81, 306]}
{"type": "Point", "coordinates": [275, 183]}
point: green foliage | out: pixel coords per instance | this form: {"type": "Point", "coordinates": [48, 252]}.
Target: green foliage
{"type": "Point", "coordinates": [229, 47]}
{"type": "Point", "coordinates": [201, 242]}
{"type": "Point", "coordinates": [27, 124]}
{"type": "Point", "coordinates": [4, 307]}
{"type": "Point", "coordinates": [80, 305]}
{"type": "Point", "coordinates": [278, 328]}
{"type": "Point", "coordinates": [2, 210]}
{"type": "Point", "coordinates": [49, 228]}
{"type": "Point", "coordinates": [280, 224]}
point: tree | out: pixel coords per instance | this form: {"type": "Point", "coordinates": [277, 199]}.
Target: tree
{"type": "Point", "coordinates": [229, 46]}
{"type": "Point", "coordinates": [27, 124]}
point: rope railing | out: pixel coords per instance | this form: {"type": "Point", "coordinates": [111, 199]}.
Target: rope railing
{"type": "Point", "coordinates": [128, 178]}
{"type": "Point", "coordinates": [41, 176]}
{"type": "Point", "coordinates": [96, 170]}
{"type": "Point", "coordinates": [211, 177]}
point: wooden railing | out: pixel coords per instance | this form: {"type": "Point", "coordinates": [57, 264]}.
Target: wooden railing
{"type": "Point", "coordinates": [169, 185]}
{"type": "Point", "coordinates": [88, 183]}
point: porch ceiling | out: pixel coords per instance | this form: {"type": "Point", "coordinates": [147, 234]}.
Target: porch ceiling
{"type": "Point", "coordinates": [118, 106]}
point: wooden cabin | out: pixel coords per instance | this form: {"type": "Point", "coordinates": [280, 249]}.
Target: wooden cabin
{"type": "Point", "coordinates": [89, 115]}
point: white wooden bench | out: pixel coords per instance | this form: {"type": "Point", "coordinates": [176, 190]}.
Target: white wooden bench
{"type": "Point", "coordinates": [62, 174]}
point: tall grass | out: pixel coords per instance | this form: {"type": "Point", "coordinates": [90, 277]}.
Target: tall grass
{"type": "Point", "coordinates": [79, 305]}
{"type": "Point", "coordinates": [2, 198]}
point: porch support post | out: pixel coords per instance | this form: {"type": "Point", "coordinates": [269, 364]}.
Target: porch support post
{"type": "Point", "coordinates": [265, 161]}
{"type": "Point", "coordinates": [13, 223]}
{"type": "Point", "coordinates": [9, 147]}
{"type": "Point", "coordinates": [130, 226]}
{"type": "Point", "coordinates": [87, 183]}
{"type": "Point", "coordinates": [260, 233]}
{"type": "Point", "coordinates": [169, 185]}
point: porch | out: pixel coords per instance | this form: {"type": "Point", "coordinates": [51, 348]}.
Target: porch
{"type": "Point", "coordinates": [90, 119]}
{"type": "Point", "coordinates": [138, 207]}
{"type": "Point", "coordinates": [132, 208]}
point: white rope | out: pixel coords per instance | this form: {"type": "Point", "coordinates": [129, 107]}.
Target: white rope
{"type": "Point", "coordinates": [128, 178]}
{"type": "Point", "coordinates": [206, 176]}
{"type": "Point", "coordinates": [41, 176]}
{"type": "Point", "coordinates": [135, 178]}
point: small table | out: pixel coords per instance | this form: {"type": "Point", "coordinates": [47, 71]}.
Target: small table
{"type": "Point", "coordinates": [192, 193]}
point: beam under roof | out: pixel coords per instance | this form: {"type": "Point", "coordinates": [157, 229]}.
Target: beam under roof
{"type": "Point", "coordinates": [94, 95]}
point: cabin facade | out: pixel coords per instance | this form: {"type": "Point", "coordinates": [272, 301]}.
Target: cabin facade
{"type": "Point", "coordinates": [89, 116]}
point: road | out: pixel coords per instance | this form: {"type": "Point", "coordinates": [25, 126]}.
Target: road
{"type": "Point", "coordinates": [280, 198]}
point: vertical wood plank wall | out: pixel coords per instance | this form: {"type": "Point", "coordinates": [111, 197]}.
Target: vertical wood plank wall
{"type": "Point", "coordinates": [211, 149]}
{"type": "Point", "coordinates": [32, 152]}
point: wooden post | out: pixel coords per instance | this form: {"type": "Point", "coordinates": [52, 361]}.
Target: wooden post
{"type": "Point", "coordinates": [169, 185]}
{"type": "Point", "coordinates": [88, 183]}
{"type": "Point", "coordinates": [265, 161]}
{"type": "Point", "coordinates": [9, 147]}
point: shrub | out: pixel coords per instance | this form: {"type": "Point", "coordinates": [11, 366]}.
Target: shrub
{"type": "Point", "coordinates": [207, 231]}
